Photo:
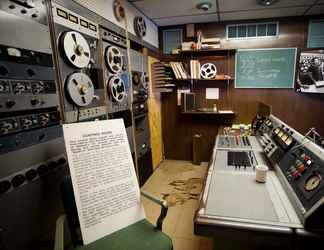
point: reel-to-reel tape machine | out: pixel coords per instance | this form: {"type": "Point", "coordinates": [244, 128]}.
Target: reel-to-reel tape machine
{"type": "Point", "coordinates": [79, 71]}
{"type": "Point", "coordinates": [117, 79]}
{"type": "Point", "coordinates": [116, 76]}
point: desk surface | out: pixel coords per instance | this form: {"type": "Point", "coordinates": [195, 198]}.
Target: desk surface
{"type": "Point", "coordinates": [235, 197]}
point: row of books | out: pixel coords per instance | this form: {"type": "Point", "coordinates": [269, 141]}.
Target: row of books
{"type": "Point", "coordinates": [181, 73]}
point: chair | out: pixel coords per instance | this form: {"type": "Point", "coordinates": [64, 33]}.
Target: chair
{"type": "Point", "coordinates": [141, 235]}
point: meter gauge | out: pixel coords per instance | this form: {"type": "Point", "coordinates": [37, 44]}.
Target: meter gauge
{"type": "Point", "coordinates": [280, 134]}
{"type": "Point", "coordinates": [276, 131]}
{"type": "Point", "coordinates": [284, 137]}
{"type": "Point", "coordinates": [288, 141]}
{"type": "Point", "coordinates": [312, 182]}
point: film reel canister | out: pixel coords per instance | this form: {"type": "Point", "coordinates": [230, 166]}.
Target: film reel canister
{"type": "Point", "coordinates": [114, 59]}
{"type": "Point", "coordinates": [117, 89]}
{"type": "Point", "coordinates": [76, 49]}
{"type": "Point", "coordinates": [140, 26]}
{"type": "Point", "coordinates": [80, 89]}
{"type": "Point", "coordinates": [208, 71]}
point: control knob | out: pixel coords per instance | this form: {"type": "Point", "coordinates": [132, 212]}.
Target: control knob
{"type": "Point", "coordinates": [10, 104]}
{"type": "Point", "coordinates": [18, 180]}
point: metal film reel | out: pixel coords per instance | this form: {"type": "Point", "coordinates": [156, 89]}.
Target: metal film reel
{"type": "Point", "coordinates": [145, 81]}
{"type": "Point", "coordinates": [140, 26]}
{"type": "Point", "coordinates": [117, 89]}
{"type": "Point", "coordinates": [76, 49]}
{"type": "Point", "coordinates": [136, 78]}
{"type": "Point", "coordinates": [208, 71]}
{"type": "Point", "coordinates": [114, 59]}
{"type": "Point", "coordinates": [80, 89]}
{"type": "Point", "coordinates": [119, 11]}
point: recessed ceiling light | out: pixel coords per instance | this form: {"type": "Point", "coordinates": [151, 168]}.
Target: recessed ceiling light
{"type": "Point", "coordinates": [205, 6]}
{"type": "Point", "coordinates": [266, 2]}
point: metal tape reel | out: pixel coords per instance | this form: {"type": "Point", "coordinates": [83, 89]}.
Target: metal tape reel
{"type": "Point", "coordinates": [140, 26]}
{"type": "Point", "coordinates": [119, 11]}
{"type": "Point", "coordinates": [145, 81]}
{"type": "Point", "coordinates": [208, 71]}
{"type": "Point", "coordinates": [76, 49]}
{"type": "Point", "coordinates": [136, 78]}
{"type": "Point", "coordinates": [117, 89]}
{"type": "Point", "coordinates": [80, 89]}
{"type": "Point", "coordinates": [114, 59]}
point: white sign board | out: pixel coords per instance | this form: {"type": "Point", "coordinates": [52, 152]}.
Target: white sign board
{"type": "Point", "coordinates": [212, 93]}
{"type": "Point", "coordinates": [104, 181]}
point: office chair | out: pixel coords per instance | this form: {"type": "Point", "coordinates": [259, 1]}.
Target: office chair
{"type": "Point", "coordinates": [141, 235]}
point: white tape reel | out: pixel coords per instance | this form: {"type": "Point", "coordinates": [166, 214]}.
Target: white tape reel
{"type": "Point", "coordinates": [119, 11]}
{"type": "Point", "coordinates": [140, 26]}
{"type": "Point", "coordinates": [117, 89]}
{"type": "Point", "coordinates": [114, 59]}
{"type": "Point", "coordinates": [208, 71]}
{"type": "Point", "coordinates": [80, 89]}
{"type": "Point", "coordinates": [76, 49]}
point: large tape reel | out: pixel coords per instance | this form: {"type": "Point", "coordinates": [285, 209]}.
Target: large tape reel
{"type": "Point", "coordinates": [119, 11]}
{"type": "Point", "coordinates": [208, 71]}
{"type": "Point", "coordinates": [80, 89]}
{"type": "Point", "coordinates": [117, 89]}
{"type": "Point", "coordinates": [76, 49]}
{"type": "Point", "coordinates": [114, 59]}
{"type": "Point", "coordinates": [140, 26]}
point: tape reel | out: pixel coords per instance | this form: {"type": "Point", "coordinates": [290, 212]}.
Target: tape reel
{"type": "Point", "coordinates": [76, 49]}
{"type": "Point", "coordinates": [119, 11]}
{"type": "Point", "coordinates": [136, 78]}
{"type": "Point", "coordinates": [208, 71]}
{"type": "Point", "coordinates": [145, 81]}
{"type": "Point", "coordinates": [117, 89]}
{"type": "Point", "coordinates": [140, 26]}
{"type": "Point", "coordinates": [80, 89]}
{"type": "Point", "coordinates": [114, 59]}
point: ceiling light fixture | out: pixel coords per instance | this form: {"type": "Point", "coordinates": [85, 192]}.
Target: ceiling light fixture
{"type": "Point", "coordinates": [266, 2]}
{"type": "Point", "coordinates": [205, 6]}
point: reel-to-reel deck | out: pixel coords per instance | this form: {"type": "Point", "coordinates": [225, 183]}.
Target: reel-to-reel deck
{"type": "Point", "coordinates": [77, 53]}
{"type": "Point", "coordinates": [116, 76]}
{"type": "Point", "coordinates": [117, 79]}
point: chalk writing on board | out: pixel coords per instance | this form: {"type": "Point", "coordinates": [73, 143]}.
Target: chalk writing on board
{"type": "Point", "coordinates": [265, 68]}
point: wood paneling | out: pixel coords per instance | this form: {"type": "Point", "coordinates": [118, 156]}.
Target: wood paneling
{"type": "Point", "coordinates": [155, 119]}
{"type": "Point", "coordinates": [301, 111]}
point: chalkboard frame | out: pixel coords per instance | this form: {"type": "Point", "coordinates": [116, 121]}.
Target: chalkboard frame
{"type": "Point", "coordinates": [291, 85]}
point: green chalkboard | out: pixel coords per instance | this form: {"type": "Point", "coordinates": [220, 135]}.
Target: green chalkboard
{"type": "Point", "coordinates": [265, 68]}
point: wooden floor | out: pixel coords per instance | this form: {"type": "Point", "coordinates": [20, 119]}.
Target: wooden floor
{"type": "Point", "coordinates": [179, 221]}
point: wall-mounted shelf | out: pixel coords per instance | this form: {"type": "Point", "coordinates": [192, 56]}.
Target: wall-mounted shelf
{"type": "Point", "coordinates": [202, 80]}
{"type": "Point", "coordinates": [208, 52]}
{"type": "Point", "coordinates": [200, 112]}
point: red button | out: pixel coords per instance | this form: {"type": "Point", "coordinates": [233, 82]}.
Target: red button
{"type": "Point", "coordinates": [301, 168]}
{"type": "Point", "coordinates": [295, 174]}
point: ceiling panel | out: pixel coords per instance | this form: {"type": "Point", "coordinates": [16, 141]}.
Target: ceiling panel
{"type": "Point", "coordinates": [234, 5]}
{"type": "Point", "coordinates": [268, 13]}
{"type": "Point", "coordinates": [171, 8]}
{"type": "Point", "coordinates": [317, 9]}
{"type": "Point", "coordinates": [186, 19]}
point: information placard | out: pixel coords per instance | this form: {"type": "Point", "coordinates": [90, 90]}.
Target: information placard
{"type": "Point", "coordinates": [104, 181]}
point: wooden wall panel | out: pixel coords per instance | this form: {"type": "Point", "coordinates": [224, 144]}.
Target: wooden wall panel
{"type": "Point", "coordinates": [155, 120]}
{"type": "Point", "coordinates": [301, 111]}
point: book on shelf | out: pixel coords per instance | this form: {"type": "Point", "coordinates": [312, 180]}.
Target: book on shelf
{"type": "Point", "coordinates": [194, 69]}
{"type": "Point", "coordinates": [179, 70]}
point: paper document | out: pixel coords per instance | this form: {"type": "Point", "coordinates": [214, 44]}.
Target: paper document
{"type": "Point", "coordinates": [104, 181]}
{"type": "Point", "coordinates": [225, 111]}
{"type": "Point", "coordinates": [212, 93]}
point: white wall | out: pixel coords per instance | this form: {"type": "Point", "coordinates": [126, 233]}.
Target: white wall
{"type": "Point", "coordinates": [104, 8]}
